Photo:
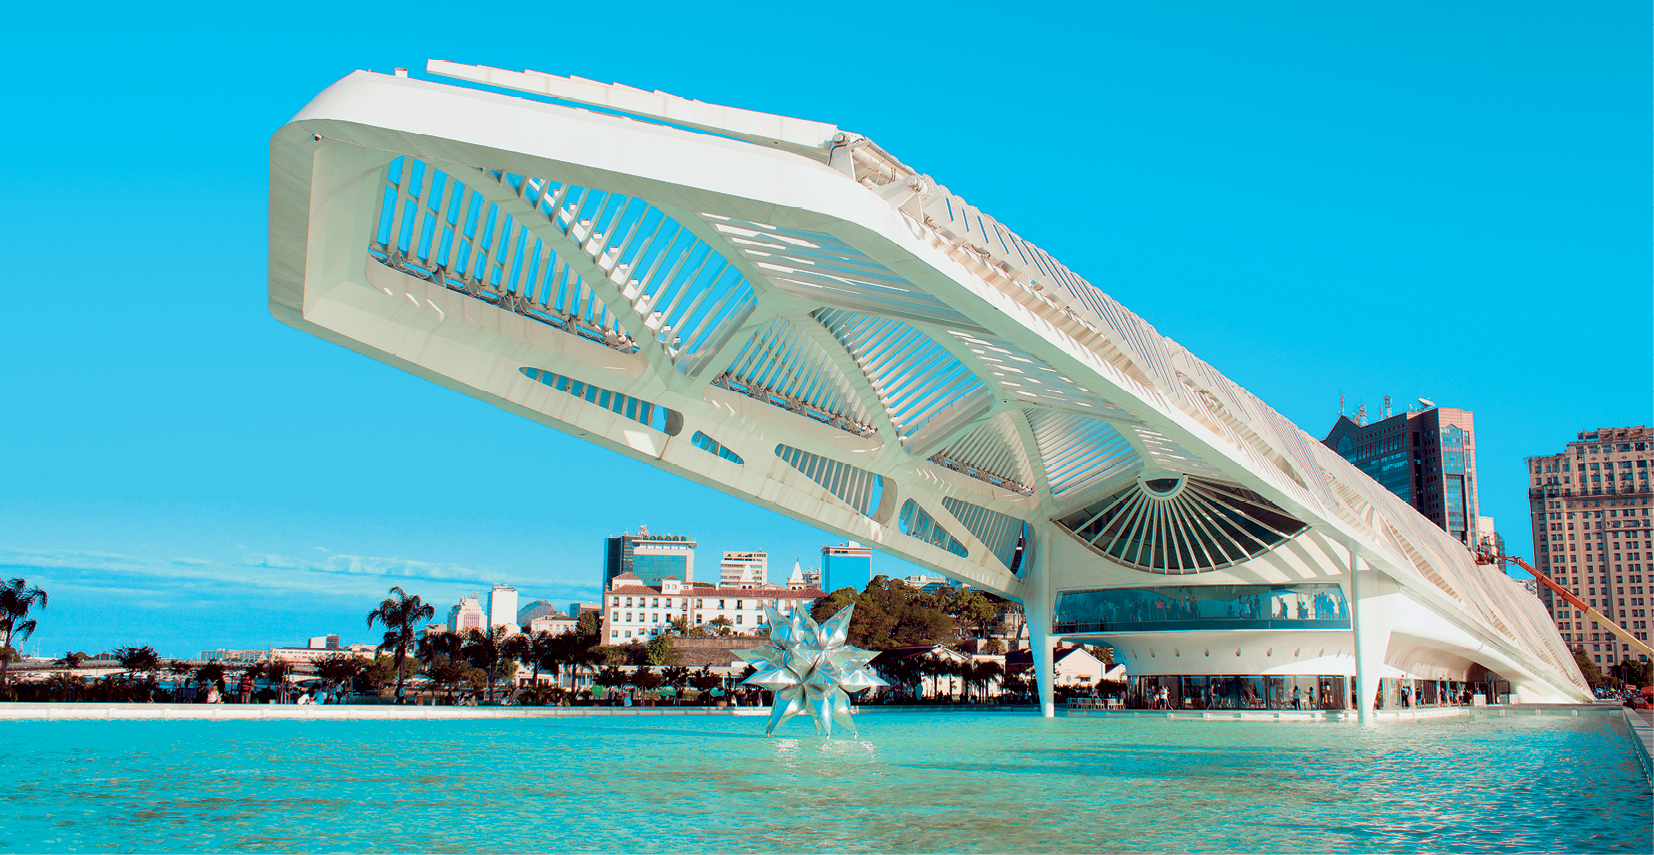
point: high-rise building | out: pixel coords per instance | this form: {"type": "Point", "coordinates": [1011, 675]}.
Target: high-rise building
{"type": "Point", "coordinates": [848, 565]}
{"type": "Point", "coordinates": [1428, 458]}
{"type": "Point", "coordinates": [1590, 507]}
{"type": "Point", "coordinates": [502, 607]}
{"type": "Point", "coordinates": [744, 570]}
{"type": "Point", "coordinates": [467, 615]}
{"type": "Point", "coordinates": [1488, 538]}
{"type": "Point", "coordinates": [650, 557]}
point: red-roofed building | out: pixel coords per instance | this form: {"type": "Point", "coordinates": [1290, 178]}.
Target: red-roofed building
{"type": "Point", "coordinates": [633, 610]}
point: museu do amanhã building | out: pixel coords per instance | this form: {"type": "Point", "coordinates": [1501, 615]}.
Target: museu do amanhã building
{"type": "Point", "coordinates": [785, 312]}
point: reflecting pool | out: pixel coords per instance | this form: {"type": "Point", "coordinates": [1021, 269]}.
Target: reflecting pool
{"type": "Point", "coordinates": [913, 782]}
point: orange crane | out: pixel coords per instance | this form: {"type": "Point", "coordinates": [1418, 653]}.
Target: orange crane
{"type": "Point", "coordinates": [1629, 637]}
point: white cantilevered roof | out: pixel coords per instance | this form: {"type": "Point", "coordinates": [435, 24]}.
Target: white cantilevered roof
{"type": "Point", "coordinates": [784, 311]}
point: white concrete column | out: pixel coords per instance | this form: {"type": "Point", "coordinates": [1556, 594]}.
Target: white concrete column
{"type": "Point", "coordinates": [1372, 605]}
{"type": "Point", "coordinates": [1036, 608]}
{"type": "Point", "coordinates": [1363, 666]}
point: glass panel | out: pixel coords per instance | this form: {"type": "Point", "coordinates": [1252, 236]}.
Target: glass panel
{"type": "Point", "coordinates": [1202, 607]}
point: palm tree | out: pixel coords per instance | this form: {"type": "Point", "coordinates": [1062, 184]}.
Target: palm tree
{"type": "Point", "coordinates": [514, 650]}
{"type": "Point", "coordinates": [489, 651]}
{"type": "Point", "coordinates": [400, 614]}
{"type": "Point", "coordinates": [611, 678]}
{"type": "Point", "coordinates": [540, 650]}
{"type": "Point", "coordinates": [677, 677]}
{"type": "Point", "coordinates": [17, 597]}
{"type": "Point", "coordinates": [138, 659]}
{"type": "Point", "coordinates": [582, 651]}
{"type": "Point", "coordinates": [73, 659]}
{"type": "Point", "coordinates": [705, 681]}
{"type": "Point", "coordinates": [980, 674]}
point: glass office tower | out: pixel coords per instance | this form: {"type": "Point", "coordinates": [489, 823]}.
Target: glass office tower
{"type": "Point", "coordinates": [848, 565]}
{"type": "Point", "coordinates": [650, 557]}
{"type": "Point", "coordinates": [1426, 458]}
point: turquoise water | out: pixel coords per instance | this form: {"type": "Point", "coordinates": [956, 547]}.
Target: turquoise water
{"type": "Point", "coordinates": [912, 783]}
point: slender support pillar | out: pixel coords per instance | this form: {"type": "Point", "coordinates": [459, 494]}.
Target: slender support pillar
{"type": "Point", "coordinates": [1036, 608]}
{"type": "Point", "coordinates": [1372, 611]}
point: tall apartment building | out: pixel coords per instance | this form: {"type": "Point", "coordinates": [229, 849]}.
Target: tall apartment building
{"type": "Point", "coordinates": [1427, 458]}
{"type": "Point", "coordinates": [467, 615]}
{"type": "Point", "coordinates": [1590, 507]}
{"type": "Point", "coordinates": [650, 557]}
{"type": "Point", "coordinates": [848, 565]}
{"type": "Point", "coordinates": [744, 570]}
{"type": "Point", "coordinates": [502, 607]}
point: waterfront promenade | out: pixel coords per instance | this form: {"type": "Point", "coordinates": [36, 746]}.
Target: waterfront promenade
{"type": "Point", "coordinates": [410, 712]}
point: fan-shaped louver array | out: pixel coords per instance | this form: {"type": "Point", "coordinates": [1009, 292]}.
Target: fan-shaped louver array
{"type": "Point", "coordinates": [1179, 525]}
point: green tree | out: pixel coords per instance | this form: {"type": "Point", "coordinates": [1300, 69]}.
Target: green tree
{"type": "Point", "coordinates": [384, 672]}
{"type": "Point", "coordinates": [73, 659]}
{"type": "Point", "coordinates": [722, 625]}
{"type": "Point", "coordinates": [890, 613]}
{"type": "Point", "coordinates": [646, 679]}
{"type": "Point", "coordinates": [17, 599]}
{"type": "Point", "coordinates": [969, 608]}
{"type": "Point", "coordinates": [448, 673]}
{"type": "Point", "coordinates": [1103, 652]}
{"type": "Point", "coordinates": [340, 668]}
{"type": "Point", "coordinates": [277, 672]}
{"type": "Point", "coordinates": [659, 650]}
{"type": "Point", "coordinates": [1593, 674]}
{"type": "Point", "coordinates": [400, 614]}
{"type": "Point", "coordinates": [1631, 672]}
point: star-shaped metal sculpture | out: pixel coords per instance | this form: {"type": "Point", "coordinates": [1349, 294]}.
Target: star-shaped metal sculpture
{"type": "Point", "coordinates": [808, 667]}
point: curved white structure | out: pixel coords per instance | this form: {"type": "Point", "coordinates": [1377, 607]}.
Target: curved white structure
{"type": "Point", "coordinates": [787, 313]}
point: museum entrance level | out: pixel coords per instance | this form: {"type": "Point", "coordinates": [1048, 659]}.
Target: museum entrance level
{"type": "Point", "coordinates": [1304, 692]}
{"type": "Point", "coordinates": [1238, 692]}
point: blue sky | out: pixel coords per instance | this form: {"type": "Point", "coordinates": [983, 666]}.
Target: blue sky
{"type": "Point", "coordinates": [1446, 200]}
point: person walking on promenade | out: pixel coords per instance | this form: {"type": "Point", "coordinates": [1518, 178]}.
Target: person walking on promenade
{"type": "Point", "coordinates": [246, 688]}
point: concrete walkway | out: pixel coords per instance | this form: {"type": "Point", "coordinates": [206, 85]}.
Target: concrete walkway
{"type": "Point", "coordinates": [1349, 715]}
{"type": "Point", "coordinates": [392, 712]}
{"type": "Point", "coordinates": [335, 712]}
{"type": "Point", "coordinates": [1641, 723]}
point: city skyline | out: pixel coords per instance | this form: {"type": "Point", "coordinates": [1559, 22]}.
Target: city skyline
{"type": "Point", "coordinates": [154, 506]}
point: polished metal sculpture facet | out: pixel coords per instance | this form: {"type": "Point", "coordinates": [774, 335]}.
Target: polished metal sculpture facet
{"type": "Point", "coordinates": [808, 667]}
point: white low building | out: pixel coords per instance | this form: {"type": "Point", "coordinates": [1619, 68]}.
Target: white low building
{"type": "Point", "coordinates": [633, 610]}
